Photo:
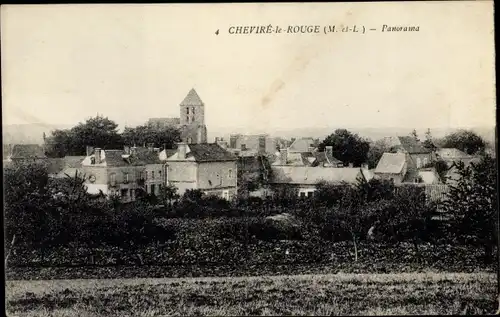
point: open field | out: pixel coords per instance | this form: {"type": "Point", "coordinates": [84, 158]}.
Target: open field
{"type": "Point", "coordinates": [331, 294]}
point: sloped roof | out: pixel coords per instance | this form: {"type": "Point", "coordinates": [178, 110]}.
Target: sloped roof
{"type": "Point", "coordinates": [21, 151]}
{"type": "Point", "coordinates": [326, 157]}
{"type": "Point", "coordinates": [301, 145]}
{"type": "Point", "coordinates": [391, 163]}
{"type": "Point", "coordinates": [312, 175]}
{"type": "Point", "coordinates": [412, 146]}
{"type": "Point", "coordinates": [208, 152]}
{"type": "Point", "coordinates": [429, 176]}
{"type": "Point", "coordinates": [114, 158]}
{"type": "Point", "coordinates": [192, 99]}
{"type": "Point", "coordinates": [451, 154]}
{"type": "Point", "coordinates": [73, 161]}
{"type": "Point", "coordinates": [144, 156]}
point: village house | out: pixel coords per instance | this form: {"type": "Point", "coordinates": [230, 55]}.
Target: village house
{"type": "Point", "coordinates": [306, 178]}
{"type": "Point", "coordinates": [123, 172]}
{"type": "Point", "coordinates": [310, 158]}
{"type": "Point", "coordinates": [451, 157]}
{"type": "Point", "coordinates": [24, 153]}
{"type": "Point", "coordinates": [400, 168]}
{"type": "Point", "coordinates": [392, 166]}
{"type": "Point", "coordinates": [205, 166]}
{"type": "Point", "coordinates": [260, 143]}
{"type": "Point", "coordinates": [64, 166]}
{"type": "Point", "coordinates": [302, 145]}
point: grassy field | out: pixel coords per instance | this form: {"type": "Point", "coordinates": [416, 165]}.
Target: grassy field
{"type": "Point", "coordinates": [333, 294]}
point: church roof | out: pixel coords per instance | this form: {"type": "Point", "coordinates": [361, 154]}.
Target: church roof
{"type": "Point", "coordinates": [192, 99]}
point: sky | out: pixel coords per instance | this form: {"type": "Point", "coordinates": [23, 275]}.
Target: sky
{"type": "Point", "coordinates": [62, 64]}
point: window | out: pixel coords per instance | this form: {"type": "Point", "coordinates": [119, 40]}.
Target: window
{"type": "Point", "coordinates": [159, 174]}
{"type": "Point", "coordinates": [112, 178]}
{"type": "Point", "coordinates": [189, 140]}
{"type": "Point", "coordinates": [146, 175]}
{"type": "Point", "coordinates": [220, 180]}
{"type": "Point", "coordinates": [187, 119]}
{"type": "Point", "coordinates": [124, 192]}
{"type": "Point", "coordinates": [310, 194]}
{"type": "Point", "coordinates": [225, 194]}
{"type": "Point", "coordinates": [192, 110]}
{"type": "Point", "coordinates": [152, 174]}
{"type": "Point", "coordinates": [125, 177]}
{"type": "Point", "coordinates": [187, 110]}
{"type": "Point", "coordinates": [302, 195]}
{"type": "Point", "coordinates": [92, 160]}
{"type": "Point", "coordinates": [419, 162]}
{"type": "Point", "coordinates": [153, 189]}
{"type": "Point", "coordinates": [425, 161]}
{"type": "Point", "coordinates": [230, 173]}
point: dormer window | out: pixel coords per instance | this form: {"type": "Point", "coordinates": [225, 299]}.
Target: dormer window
{"type": "Point", "coordinates": [92, 160]}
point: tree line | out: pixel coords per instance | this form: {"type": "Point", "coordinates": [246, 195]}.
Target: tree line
{"type": "Point", "coordinates": [102, 132]}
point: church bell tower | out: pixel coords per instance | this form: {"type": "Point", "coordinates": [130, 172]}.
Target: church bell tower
{"type": "Point", "coordinates": [192, 119]}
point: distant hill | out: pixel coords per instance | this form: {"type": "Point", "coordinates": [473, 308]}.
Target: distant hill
{"type": "Point", "coordinates": [31, 133]}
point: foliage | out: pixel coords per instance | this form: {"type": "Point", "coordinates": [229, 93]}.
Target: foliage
{"type": "Point", "coordinates": [428, 143]}
{"type": "Point", "coordinates": [464, 140]}
{"type": "Point", "coordinates": [96, 131]}
{"type": "Point", "coordinates": [143, 135]}
{"type": "Point", "coordinates": [414, 134]}
{"type": "Point", "coordinates": [347, 147]}
{"type": "Point", "coordinates": [473, 202]}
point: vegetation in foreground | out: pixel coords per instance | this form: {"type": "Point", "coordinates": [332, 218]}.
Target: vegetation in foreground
{"type": "Point", "coordinates": [339, 294]}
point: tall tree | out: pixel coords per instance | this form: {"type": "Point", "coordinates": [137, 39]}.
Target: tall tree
{"type": "Point", "coordinates": [98, 131]}
{"type": "Point", "coordinates": [464, 140]}
{"type": "Point", "coordinates": [428, 143]}
{"type": "Point", "coordinates": [347, 147]}
{"type": "Point", "coordinates": [473, 203]}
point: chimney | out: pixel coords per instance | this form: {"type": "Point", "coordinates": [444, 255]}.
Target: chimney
{"type": "Point", "coordinates": [164, 146]}
{"type": "Point", "coordinates": [364, 166]}
{"type": "Point", "coordinates": [216, 139]}
{"type": "Point", "coordinates": [97, 155]}
{"type": "Point", "coordinates": [181, 150]}
{"type": "Point", "coordinates": [89, 150]}
{"type": "Point", "coordinates": [133, 150]}
{"type": "Point", "coordinates": [126, 149]}
{"type": "Point", "coordinates": [351, 165]}
{"type": "Point", "coordinates": [243, 147]}
{"type": "Point", "coordinates": [310, 149]}
{"type": "Point", "coordinates": [283, 156]}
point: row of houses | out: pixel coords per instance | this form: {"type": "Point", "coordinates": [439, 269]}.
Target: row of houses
{"type": "Point", "coordinates": [213, 167]}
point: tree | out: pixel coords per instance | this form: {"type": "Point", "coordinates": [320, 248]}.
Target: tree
{"type": "Point", "coordinates": [428, 143]}
{"type": "Point", "coordinates": [168, 194]}
{"type": "Point", "coordinates": [98, 131]}
{"type": "Point", "coordinates": [473, 203]}
{"type": "Point", "coordinates": [464, 140]}
{"type": "Point", "coordinates": [143, 135]}
{"type": "Point", "coordinates": [410, 214]}
{"type": "Point", "coordinates": [347, 147]}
